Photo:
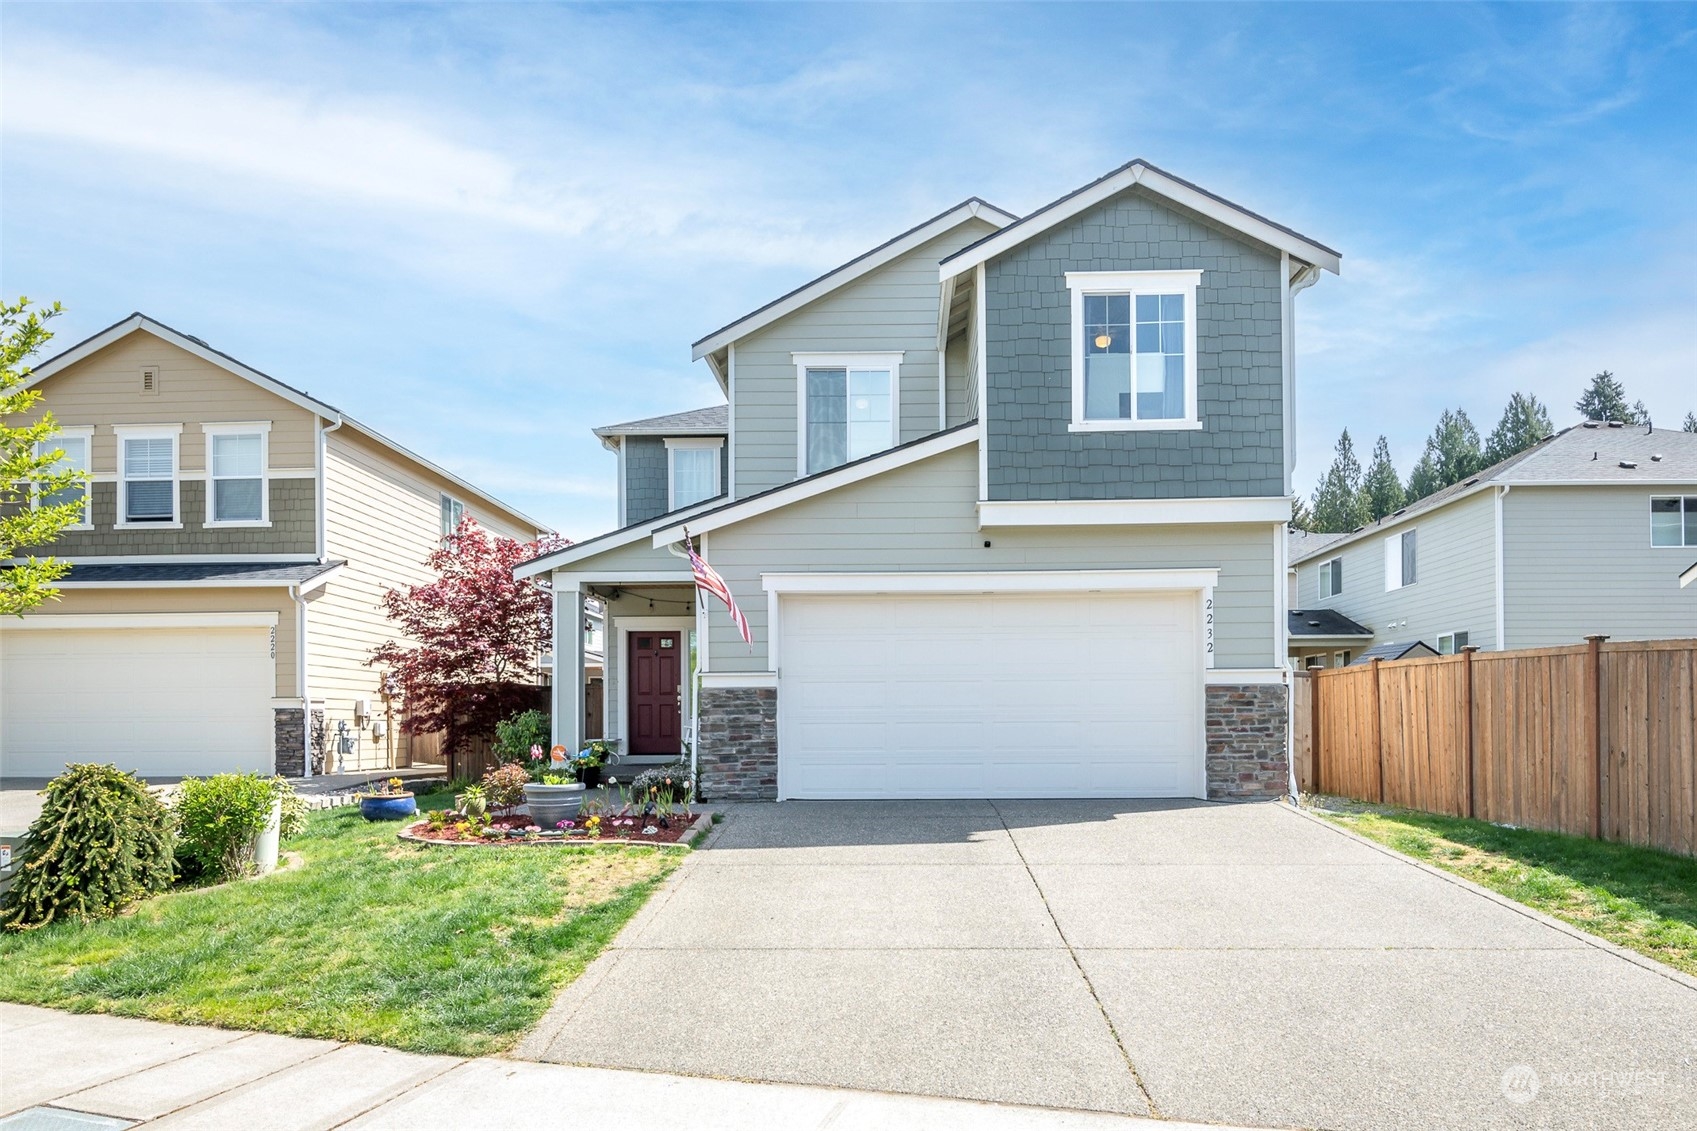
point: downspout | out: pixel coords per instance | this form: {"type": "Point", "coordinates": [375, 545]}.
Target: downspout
{"type": "Point", "coordinates": [299, 598]}
{"type": "Point", "coordinates": [1502, 493]}
{"type": "Point", "coordinates": [323, 540]}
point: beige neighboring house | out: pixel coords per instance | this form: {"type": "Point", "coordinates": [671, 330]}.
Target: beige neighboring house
{"type": "Point", "coordinates": [238, 538]}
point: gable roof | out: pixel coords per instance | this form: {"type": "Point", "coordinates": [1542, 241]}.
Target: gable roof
{"type": "Point", "coordinates": [138, 321]}
{"type": "Point", "coordinates": [1593, 454]}
{"type": "Point", "coordinates": [1394, 650]}
{"type": "Point", "coordinates": [1140, 172]}
{"type": "Point", "coordinates": [971, 208]}
{"type": "Point", "coordinates": [714, 420]}
{"type": "Point", "coordinates": [1325, 623]}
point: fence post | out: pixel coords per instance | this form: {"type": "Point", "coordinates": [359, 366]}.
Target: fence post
{"type": "Point", "coordinates": [1314, 730]}
{"type": "Point", "coordinates": [1467, 670]}
{"type": "Point", "coordinates": [1594, 666]}
{"type": "Point", "coordinates": [1378, 729]}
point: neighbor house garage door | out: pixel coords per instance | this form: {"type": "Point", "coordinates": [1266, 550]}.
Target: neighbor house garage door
{"type": "Point", "coordinates": [165, 701]}
{"type": "Point", "coordinates": [1005, 695]}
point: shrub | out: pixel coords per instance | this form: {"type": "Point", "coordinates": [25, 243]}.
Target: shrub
{"type": "Point", "coordinates": [504, 787]}
{"type": "Point", "coordinates": [101, 843]}
{"type": "Point", "coordinates": [219, 817]}
{"type": "Point", "coordinates": [516, 735]}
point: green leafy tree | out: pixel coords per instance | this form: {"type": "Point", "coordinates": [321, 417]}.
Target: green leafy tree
{"type": "Point", "coordinates": [1338, 503]}
{"type": "Point", "coordinates": [1691, 422]}
{"type": "Point", "coordinates": [1381, 486]}
{"type": "Point", "coordinates": [1605, 399]}
{"type": "Point", "coordinates": [1525, 422]}
{"type": "Point", "coordinates": [1452, 454]}
{"type": "Point", "coordinates": [28, 466]}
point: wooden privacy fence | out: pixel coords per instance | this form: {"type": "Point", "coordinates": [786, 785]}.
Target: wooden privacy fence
{"type": "Point", "coordinates": [1597, 739]}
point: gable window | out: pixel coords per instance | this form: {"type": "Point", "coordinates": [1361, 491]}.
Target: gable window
{"type": "Point", "coordinates": [1673, 521]}
{"type": "Point", "coordinates": [147, 476]}
{"type": "Point", "coordinates": [236, 458]}
{"type": "Point", "coordinates": [73, 445]}
{"type": "Point", "coordinates": [452, 511]}
{"type": "Point", "coordinates": [847, 407]}
{"type": "Point", "coordinates": [1451, 643]}
{"type": "Point", "coordinates": [692, 470]}
{"type": "Point", "coordinates": [1400, 560]}
{"type": "Point", "coordinates": [1331, 577]}
{"type": "Point", "coordinates": [1133, 349]}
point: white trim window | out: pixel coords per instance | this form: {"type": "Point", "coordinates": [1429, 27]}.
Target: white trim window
{"type": "Point", "coordinates": [1331, 577]}
{"type": "Point", "coordinates": [452, 511]}
{"type": "Point", "coordinates": [1451, 643]}
{"type": "Point", "coordinates": [1673, 521]}
{"type": "Point", "coordinates": [1400, 560]}
{"type": "Point", "coordinates": [1133, 350]}
{"type": "Point", "coordinates": [147, 477]}
{"type": "Point", "coordinates": [847, 407]}
{"type": "Point", "coordinates": [236, 485]}
{"type": "Point", "coordinates": [74, 444]}
{"type": "Point", "coordinates": [692, 469]}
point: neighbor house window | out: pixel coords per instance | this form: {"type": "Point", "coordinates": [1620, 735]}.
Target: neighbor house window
{"type": "Point", "coordinates": [1399, 560]}
{"type": "Point", "coordinates": [1673, 522]}
{"type": "Point", "coordinates": [235, 456]}
{"type": "Point", "coordinates": [1331, 577]}
{"type": "Point", "coordinates": [452, 511]}
{"type": "Point", "coordinates": [1341, 659]}
{"type": "Point", "coordinates": [147, 476]}
{"type": "Point", "coordinates": [847, 407]}
{"type": "Point", "coordinates": [73, 445]}
{"type": "Point", "coordinates": [1450, 643]}
{"type": "Point", "coordinates": [692, 470]}
{"type": "Point", "coordinates": [1133, 349]}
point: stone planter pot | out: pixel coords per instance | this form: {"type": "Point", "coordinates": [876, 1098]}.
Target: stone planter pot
{"type": "Point", "coordinates": [551, 804]}
{"type": "Point", "coordinates": [266, 843]}
{"type": "Point", "coordinates": [387, 806]}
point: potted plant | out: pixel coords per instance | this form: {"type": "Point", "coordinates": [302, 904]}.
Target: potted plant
{"type": "Point", "coordinates": [553, 797]}
{"type": "Point", "coordinates": [389, 801]}
{"type": "Point", "coordinates": [597, 752]}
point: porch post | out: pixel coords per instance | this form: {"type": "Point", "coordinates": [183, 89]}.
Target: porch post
{"type": "Point", "coordinates": [568, 667]}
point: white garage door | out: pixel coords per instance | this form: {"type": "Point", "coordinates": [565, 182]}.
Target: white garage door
{"type": "Point", "coordinates": [166, 701]}
{"type": "Point", "coordinates": [1006, 695]}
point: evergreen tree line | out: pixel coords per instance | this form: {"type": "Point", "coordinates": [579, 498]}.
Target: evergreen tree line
{"type": "Point", "coordinates": [1348, 498]}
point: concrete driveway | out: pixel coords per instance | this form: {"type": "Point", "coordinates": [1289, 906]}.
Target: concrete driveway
{"type": "Point", "coordinates": [1241, 964]}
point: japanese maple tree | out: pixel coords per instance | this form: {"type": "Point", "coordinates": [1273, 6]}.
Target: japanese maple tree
{"type": "Point", "coordinates": [476, 635]}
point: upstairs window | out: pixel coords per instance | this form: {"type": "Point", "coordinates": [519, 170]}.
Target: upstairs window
{"type": "Point", "coordinates": [1400, 560]}
{"type": "Point", "coordinates": [235, 457]}
{"type": "Point", "coordinates": [1673, 521]}
{"type": "Point", "coordinates": [73, 445]}
{"type": "Point", "coordinates": [1450, 643]}
{"type": "Point", "coordinates": [847, 407]}
{"type": "Point", "coordinates": [692, 470]}
{"type": "Point", "coordinates": [1331, 577]}
{"type": "Point", "coordinates": [147, 485]}
{"type": "Point", "coordinates": [452, 511]}
{"type": "Point", "coordinates": [1133, 349]}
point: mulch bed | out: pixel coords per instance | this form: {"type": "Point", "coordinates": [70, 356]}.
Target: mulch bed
{"type": "Point", "coordinates": [613, 830]}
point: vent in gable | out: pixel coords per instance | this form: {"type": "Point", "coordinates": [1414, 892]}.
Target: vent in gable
{"type": "Point", "coordinates": [150, 380]}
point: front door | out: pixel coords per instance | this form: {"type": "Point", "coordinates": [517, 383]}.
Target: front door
{"type": "Point", "coordinates": [656, 676]}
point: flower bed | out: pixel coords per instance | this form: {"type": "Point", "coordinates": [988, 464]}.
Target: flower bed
{"type": "Point", "coordinates": [516, 829]}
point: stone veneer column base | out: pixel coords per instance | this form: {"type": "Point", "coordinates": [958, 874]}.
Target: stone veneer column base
{"type": "Point", "coordinates": [737, 759]}
{"type": "Point", "coordinates": [1247, 755]}
{"type": "Point", "coordinates": [288, 749]}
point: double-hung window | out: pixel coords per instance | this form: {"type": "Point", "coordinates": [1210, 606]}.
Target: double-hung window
{"type": "Point", "coordinates": [1673, 521]}
{"type": "Point", "coordinates": [692, 470]}
{"type": "Point", "coordinates": [147, 476]}
{"type": "Point", "coordinates": [1400, 560]}
{"type": "Point", "coordinates": [452, 511]}
{"type": "Point", "coordinates": [73, 445]}
{"type": "Point", "coordinates": [236, 457]}
{"type": "Point", "coordinates": [1133, 350]}
{"type": "Point", "coordinates": [847, 406]}
{"type": "Point", "coordinates": [1331, 577]}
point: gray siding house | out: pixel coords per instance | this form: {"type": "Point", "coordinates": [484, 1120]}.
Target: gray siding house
{"type": "Point", "coordinates": [1587, 532]}
{"type": "Point", "coordinates": [1004, 505]}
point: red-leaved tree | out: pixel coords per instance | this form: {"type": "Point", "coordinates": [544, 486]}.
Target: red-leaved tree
{"type": "Point", "coordinates": [476, 635]}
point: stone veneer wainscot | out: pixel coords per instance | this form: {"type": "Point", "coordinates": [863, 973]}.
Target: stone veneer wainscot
{"type": "Point", "coordinates": [1247, 758]}
{"type": "Point", "coordinates": [738, 755]}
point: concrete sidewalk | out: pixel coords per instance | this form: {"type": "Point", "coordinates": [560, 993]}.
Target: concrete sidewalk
{"type": "Point", "coordinates": [142, 1073]}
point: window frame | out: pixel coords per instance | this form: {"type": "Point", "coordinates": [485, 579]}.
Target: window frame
{"type": "Point", "coordinates": [889, 360]}
{"type": "Point", "coordinates": [446, 502]}
{"type": "Point", "coordinates": [1342, 657]}
{"type": "Point", "coordinates": [1186, 282]}
{"type": "Point", "coordinates": [1455, 645]}
{"type": "Point", "coordinates": [1687, 506]}
{"type": "Point", "coordinates": [172, 432]}
{"type": "Point", "coordinates": [261, 428]}
{"type": "Point", "coordinates": [715, 444]}
{"type": "Point", "coordinates": [1400, 557]}
{"type": "Point", "coordinates": [1331, 575]}
{"type": "Point", "coordinates": [85, 433]}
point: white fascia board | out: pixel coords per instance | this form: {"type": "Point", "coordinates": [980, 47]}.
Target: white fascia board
{"type": "Point", "coordinates": [739, 679]}
{"type": "Point", "coordinates": [176, 559]}
{"type": "Point", "coordinates": [818, 485]}
{"type": "Point", "coordinates": [1160, 184]}
{"type": "Point", "coordinates": [1133, 512]}
{"type": "Point", "coordinates": [583, 551]}
{"type": "Point", "coordinates": [1683, 484]}
{"type": "Point", "coordinates": [1689, 576]}
{"type": "Point", "coordinates": [847, 273]}
{"type": "Point", "coordinates": [139, 621]}
{"type": "Point", "coordinates": [1321, 641]}
{"type": "Point", "coordinates": [994, 581]}
{"type": "Point", "coordinates": [568, 578]}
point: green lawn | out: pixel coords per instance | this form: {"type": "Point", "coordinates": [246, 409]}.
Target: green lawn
{"type": "Point", "coordinates": [1638, 898]}
{"type": "Point", "coordinates": [452, 950]}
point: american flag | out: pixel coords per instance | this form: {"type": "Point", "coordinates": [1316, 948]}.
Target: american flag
{"type": "Point", "coordinates": [707, 578]}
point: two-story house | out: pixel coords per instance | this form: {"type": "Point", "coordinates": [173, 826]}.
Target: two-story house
{"type": "Point", "coordinates": [1003, 501]}
{"type": "Point", "coordinates": [1585, 533]}
{"type": "Point", "coordinates": [237, 538]}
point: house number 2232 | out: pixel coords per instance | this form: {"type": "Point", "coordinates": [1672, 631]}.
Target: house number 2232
{"type": "Point", "coordinates": [1208, 630]}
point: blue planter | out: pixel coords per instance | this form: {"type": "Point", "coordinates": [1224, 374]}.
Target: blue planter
{"type": "Point", "coordinates": [387, 806]}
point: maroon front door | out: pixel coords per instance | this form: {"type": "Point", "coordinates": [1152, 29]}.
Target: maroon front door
{"type": "Point", "coordinates": [655, 676]}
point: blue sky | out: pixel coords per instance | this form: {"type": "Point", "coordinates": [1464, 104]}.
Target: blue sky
{"type": "Point", "coordinates": [486, 229]}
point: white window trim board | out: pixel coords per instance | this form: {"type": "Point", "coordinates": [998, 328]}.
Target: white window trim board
{"type": "Point", "coordinates": [261, 428]}
{"type": "Point", "coordinates": [85, 433]}
{"type": "Point", "coordinates": [1134, 283]}
{"type": "Point", "coordinates": [691, 443]}
{"type": "Point", "coordinates": [1133, 512]}
{"type": "Point", "coordinates": [172, 432]}
{"type": "Point", "coordinates": [890, 360]}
